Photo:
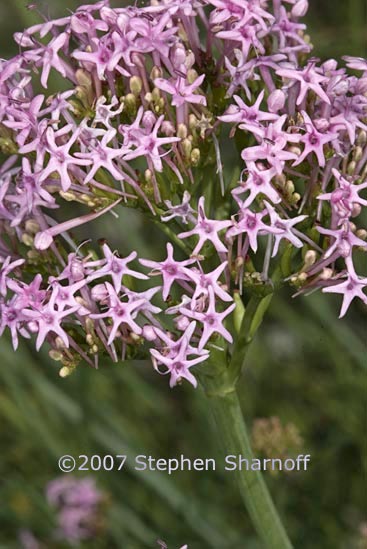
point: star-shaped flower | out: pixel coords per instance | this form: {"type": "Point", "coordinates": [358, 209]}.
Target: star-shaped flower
{"type": "Point", "coordinates": [309, 79]}
{"type": "Point", "coordinates": [207, 229]}
{"type": "Point", "coordinates": [284, 228]}
{"type": "Point", "coordinates": [351, 288]}
{"type": "Point", "coordinates": [176, 360]}
{"type": "Point", "coordinates": [116, 267]}
{"type": "Point", "coordinates": [170, 269]}
{"type": "Point", "coordinates": [313, 141]}
{"type": "Point", "coordinates": [120, 312]}
{"type": "Point", "coordinates": [181, 91]}
{"type": "Point", "coordinates": [211, 320]}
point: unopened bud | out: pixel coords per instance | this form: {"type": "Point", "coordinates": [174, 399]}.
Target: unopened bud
{"type": "Point", "coordinates": [356, 209]}
{"type": "Point", "coordinates": [295, 150]}
{"type": "Point", "coordinates": [31, 226]}
{"type": "Point", "coordinates": [289, 187]}
{"type": "Point", "coordinates": [358, 153]}
{"type": "Point", "coordinates": [99, 292]}
{"type": "Point", "coordinates": [27, 239]}
{"type": "Point", "coordinates": [148, 175]}
{"type": "Point", "coordinates": [130, 103]}
{"type": "Point", "coordinates": [326, 273]}
{"type": "Point", "coordinates": [191, 76]}
{"type": "Point", "coordinates": [310, 258]}
{"type": "Point", "coordinates": [193, 122]}
{"type": "Point", "coordinates": [351, 167]}
{"type": "Point", "coordinates": [276, 101]}
{"type": "Point", "coordinates": [55, 355]}
{"type": "Point", "coordinates": [182, 322]}
{"type": "Point", "coordinates": [156, 94]}
{"type": "Point", "coordinates": [362, 234]}
{"type": "Point", "coordinates": [67, 195]}
{"type": "Point", "coordinates": [65, 371]}
{"type": "Point", "coordinates": [149, 333]}
{"type": "Point", "coordinates": [136, 85]}
{"type": "Point", "coordinates": [362, 137]}
{"type": "Point", "coordinates": [182, 131]}
{"type": "Point", "coordinates": [186, 147]}
{"type": "Point", "coordinates": [156, 72]}
{"type": "Point", "coordinates": [195, 157]}
{"type": "Point", "coordinates": [89, 339]}
{"type": "Point", "coordinates": [300, 8]}
{"type": "Point", "coordinates": [178, 55]}
{"type": "Point", "coordinates": [59, 343]}
{"type": "Point", "coordinates": [168, 128]}
{"type": "Point", "coordinates": [148, 120]}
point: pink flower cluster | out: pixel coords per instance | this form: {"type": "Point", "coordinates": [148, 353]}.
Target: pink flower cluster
{"type": "Point", "coordinates": [77, 503]}
{"type": "Point", "coordinates": [155, 99]}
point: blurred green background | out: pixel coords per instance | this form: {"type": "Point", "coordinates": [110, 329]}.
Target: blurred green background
{"type": "Point", "coordinates": [306, 368]}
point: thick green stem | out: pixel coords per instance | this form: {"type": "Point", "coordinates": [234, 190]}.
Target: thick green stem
{"type": "Point", "coordinates": [233, 434]}
{"type": "Point", "coordinates": [219, 378]}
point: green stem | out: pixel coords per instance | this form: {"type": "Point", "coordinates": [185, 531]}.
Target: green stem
{"type": "Point", "coordinates": [232, 431]}
{"type": "Point", "coordinates": [251, 321]}
{"type": "Point", "coordinates": [219, 379]}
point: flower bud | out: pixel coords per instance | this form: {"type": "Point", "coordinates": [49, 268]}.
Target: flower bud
{"type": "Point", "coordinates": [300, 8]}
{"type": "Point", "coordinates": [59, 344]}
{"type": "Point", "coordinates": [148, 120]}
{"type": "Point", "coordinates": [99, 292]}
{"type": "Point", "coordinates": [362, 137]}
{"type": "Point", "coordinates": [69, 196]}
{"type": "Point", "coordinates": [136, 85]}
{"type": "Point", "coordinates": [89, 339]}
{"type": "Point", "coordinates": [358, 153]}
{"type": "Point", "coordinates": [31, 226]}
{"type": "Point", "coordinates": [195, 157]}
{"type": "Point", "coordinates": [182, 322]}
{"type": "Point", "coordinates": [361, 87]}
{"type": "Point", "coordinates": [65, 371]}
{"type": "Point", "coordinates": [182, 131]}
{"type": "Point", "coordinates": [276, 101]}
{"type": "Point", "coordinates": [289, 187]}
{"type": "Point", "coordinates": [322, 125]}
{"type": "Point", "coordinates": [178, 56]}
{"type": "Point", "coordinates": [193, 121]}
{"type": "Point", "coordinates": [148, 176]}
{"type": "Point", "coordinates": [168, 128]}
{"type": "Point", "coordinates": [55, 355]}
{"type": "Point", "coordinates": [130, 103]}
{"type": "Point", "coordinates": [156, 94]}
{"type": "Point", "coordinates": [326, 273]}
{"type": "Point", "coordinates": [43, 240]}
{"type": "Point", "coordinates": [351, 167]}
{"type": "Point", "coordinates": [156, 72]}
{"type": "Point", "coordinates": [186, 147]}
{"type": "Point", "coordinates": [356, 209]}
{"type": "Point", "coordinates": [190, 59]}
{"type": "Point", "coordinates": [362, 234]}
{"type": "Point", "coordinates": [191, 75]}
{"type": "Point", "coordinates": [27, 239]}
{"type": "Point", "coordinates": [310, 258]}
{"type": "Point", "coordinates": [32, 327]}
{"type": "Point", "coordinates": [149, 333]}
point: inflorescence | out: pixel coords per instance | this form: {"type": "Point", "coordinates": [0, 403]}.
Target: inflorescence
{"type": "Point", "coordinates": [211, 118]}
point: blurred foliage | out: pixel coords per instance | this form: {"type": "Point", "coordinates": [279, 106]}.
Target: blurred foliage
{"type": "Point", "coordinates": [306, 368]}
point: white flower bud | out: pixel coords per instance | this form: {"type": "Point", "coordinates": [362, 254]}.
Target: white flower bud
{"type": "Point", "coordinates": [276, 100]}
{"type": "Point", "coordinates": [300, 8]}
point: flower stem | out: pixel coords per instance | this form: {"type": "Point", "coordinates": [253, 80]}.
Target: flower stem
{"type": "Point", "coordinates": [232, 431]}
